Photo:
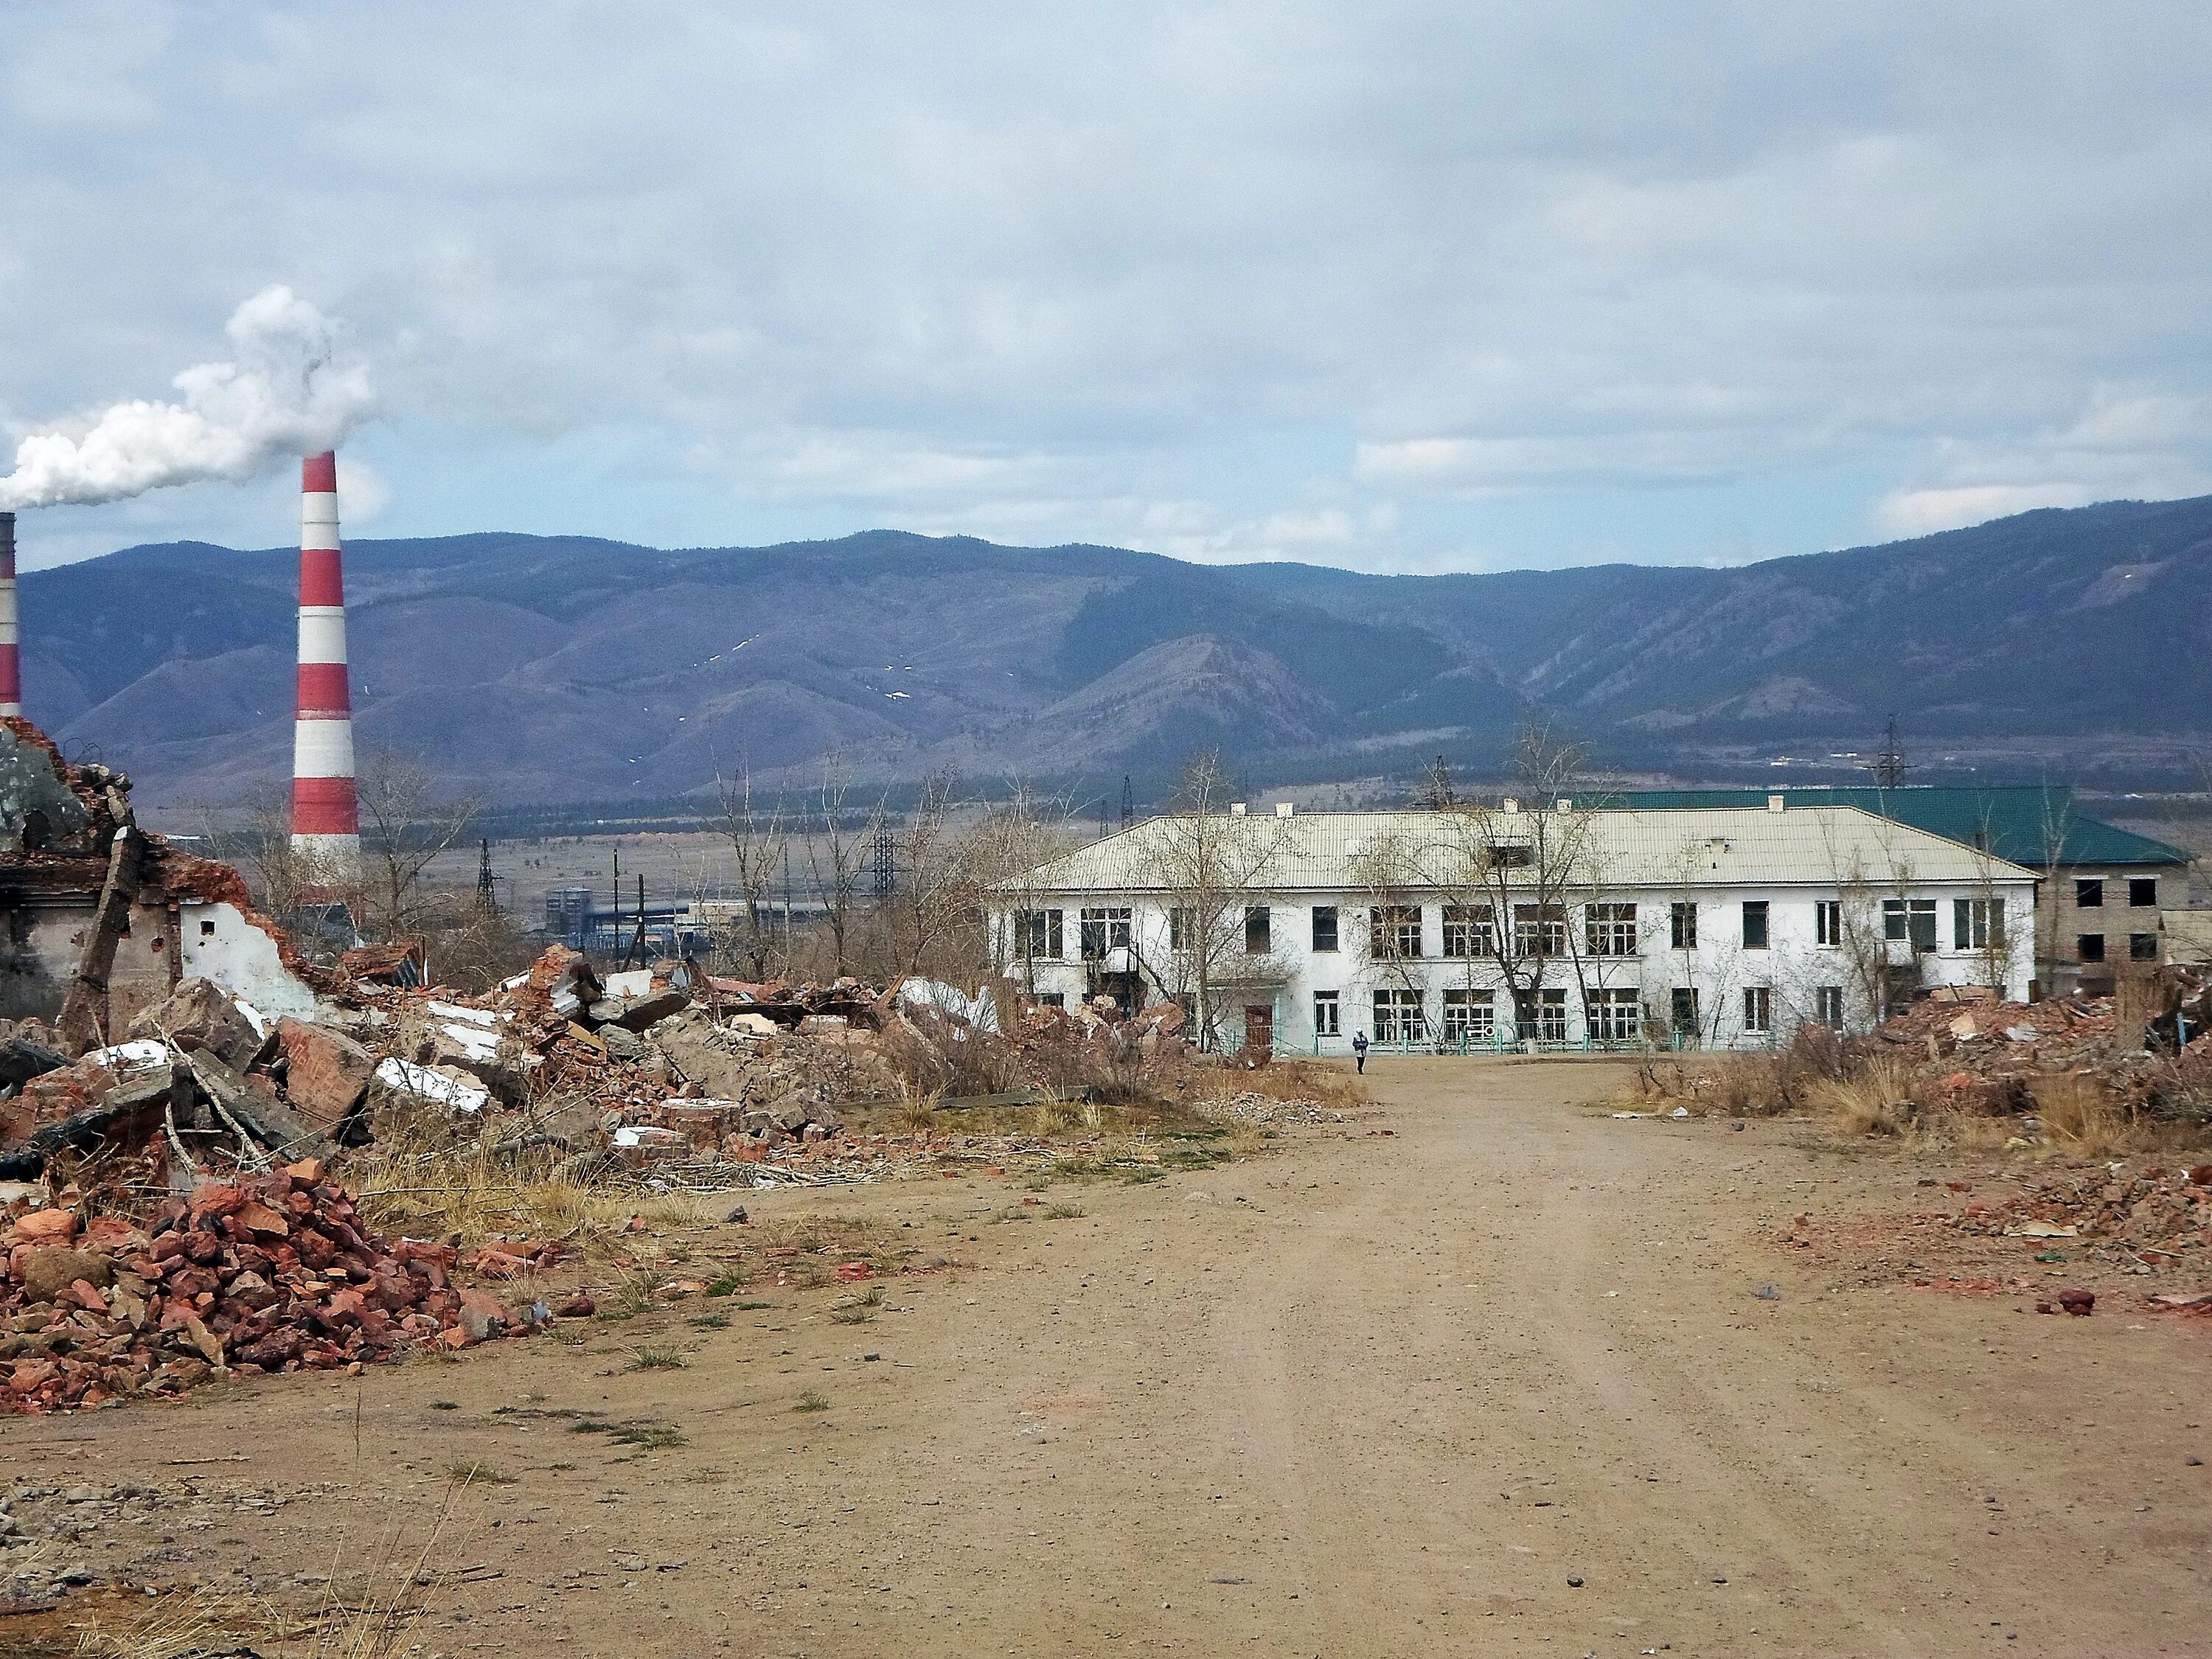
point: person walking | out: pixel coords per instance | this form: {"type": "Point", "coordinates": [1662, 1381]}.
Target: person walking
{"type": "Point", "coordinates": [1360, 1051]}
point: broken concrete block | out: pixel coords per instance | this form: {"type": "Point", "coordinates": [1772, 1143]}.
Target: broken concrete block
{"type": "Point", "coordinates": [201, 1014]}
{"type": "Point", "coordinates": [621, 1044]}
{"type": "Point", "coordinates": [326, 1076]}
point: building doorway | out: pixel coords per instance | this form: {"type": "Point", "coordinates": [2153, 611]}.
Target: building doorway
{"type": "Point", "coordinates": [1260, 1030]}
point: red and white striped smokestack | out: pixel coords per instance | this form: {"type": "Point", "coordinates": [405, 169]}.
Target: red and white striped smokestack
{"type": "Point", "coordinates": [325, 810]}
{"type": "Point", "coordinates": [11, 662]}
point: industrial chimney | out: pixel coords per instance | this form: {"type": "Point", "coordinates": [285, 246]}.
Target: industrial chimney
{"type": "Point", "coordinates": [11, 664]}
{"type": "Point", "coordinates": [325, 810]}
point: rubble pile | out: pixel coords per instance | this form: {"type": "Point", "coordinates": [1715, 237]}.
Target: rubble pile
{"type": "Point", "coordinates": [1268, 1111]}
{"type": "Point", "coordinates": [1992, 1052]}
{"type": "Point", "coordinates": [2143, 1220]}
{"type": "Point", "coordinates": [270, 1274]}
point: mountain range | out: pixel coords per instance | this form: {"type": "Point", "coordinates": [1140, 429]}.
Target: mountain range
{"type": "Point", "coordinates": [569, 669]}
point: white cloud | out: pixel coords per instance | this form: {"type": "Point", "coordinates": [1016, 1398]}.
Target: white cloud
{"type": "Point", "coordinates": [1907, 512]}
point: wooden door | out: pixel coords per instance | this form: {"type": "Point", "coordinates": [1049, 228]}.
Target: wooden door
{"type": "Point", "coordinates": [1260, 1030]}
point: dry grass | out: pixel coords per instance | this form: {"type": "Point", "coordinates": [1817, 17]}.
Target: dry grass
{"type": "Point", "coordinates": [1877, 1101]}
{"type": "Point", "coordinates": [429, 1184]}
{"type": "Point", "coordinates": [1324, 1083]}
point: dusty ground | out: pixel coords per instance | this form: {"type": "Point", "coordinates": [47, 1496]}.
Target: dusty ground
{"type": "Point", "coordinates": [1497, 1383]}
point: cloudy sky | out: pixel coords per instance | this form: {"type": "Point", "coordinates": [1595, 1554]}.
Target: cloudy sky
{"type": "Point", "coordinates": [1397, 286]}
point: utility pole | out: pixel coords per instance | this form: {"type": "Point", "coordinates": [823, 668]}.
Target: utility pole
{"type": "Point", "coordinates": [1129, 804]}
{"type": "Point", "coordinates": [886, 860]}
{"type": "Point", "coordinates": [1888, 765]}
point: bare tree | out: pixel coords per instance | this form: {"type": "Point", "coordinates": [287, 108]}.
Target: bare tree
{"type": "Point", "coordinates": [1211, 866]}
{"type": "Point", "coordinates": [1004, 852]}
{"type": "Point", "coordinates": [759, 841]}
{"type": "Point", "coordinates": [942, 891]}
{"type": "Point", "coordinates": [407, 823]}
{"type": "Point", "coordinates": [1515, 867]}
{"type": "Point", "coordinates": [837, 854]}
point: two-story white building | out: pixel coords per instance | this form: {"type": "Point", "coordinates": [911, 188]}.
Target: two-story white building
{"type": "Point", "coordinates": [1487, 928]}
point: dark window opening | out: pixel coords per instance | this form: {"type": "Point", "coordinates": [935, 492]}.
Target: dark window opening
{"type": "Point", "coordinates": [2089, 894]}
{"type": "Point", "coordinates": [1393, 931]}
{"type": "Point", "coordinates": [1754, 924]}
{"type": "Point", "coordinates": [2142, 947]}
{"type": "Point", "coordinates": [1828, 921]}
{"type": "Point", "coordinates": [1910, 921]}
{"type": "Point", "coordinates": [1682, 1012]}
{"type": "Point", "coordinates": [1326, 1017]}
{"type": "Point", "coordinates": [2090, 947]}
{"type": "Point", "coordinates": [1259, 930]}
{"type": "Point", "coordinates": [1324, 927]}
{"type": "Point", "coordinates": [2143, 892]}
{"type": "Point", "coordinates": [1511, 855]}
{"type": "Point", "coordinates": [1682, 926]}
{"type": "Point", "coordinates": [207, 928]}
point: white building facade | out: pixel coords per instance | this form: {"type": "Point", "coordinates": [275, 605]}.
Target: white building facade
{"type": "Point", "coordinates": [1481, 930]}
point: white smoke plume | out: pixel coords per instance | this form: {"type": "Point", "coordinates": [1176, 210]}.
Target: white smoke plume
{"type": "Point", "coordinates": [287, 394]}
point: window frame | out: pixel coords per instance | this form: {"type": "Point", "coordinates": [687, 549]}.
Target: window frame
{"type": "Point", "coordinates": [1116, 926]}
{"type": "Point", "coordinates": [2136, 883]}
{"type": "Point", "coordinates": [1828, 923]}
{"type": "Point", "coordinates": [1615, 1015]}
{"type": "Point", "coordinates": [1330, 1004]}
{"type": "Point", "coordinates": [1545, 924]}
{"type": "Point", "coordinates": [1758, 1009]}
{"type": "Point", "coordinates": [1040, 935]}
{"type": "Point", "coordinates": [1978, 924]}
{"type": "Point", "coordinates": [1389, 927]}
{"type": "Point", "coordinates": [1393, 1004]}
{"type": "Point", "coordinates": [1474, 927]}
{"type": "Point", "coordinates": [2089, 947]}
{"type": "Point", "coordinates": [2142, 947]}
{"type": "Point", "coordinates": [1464, 1009]}
{"type": "Point", "coordinates": [2089, 892]}
{"type": "Point", "coordinates": [1325, 936]}
{"type": "Point", "coordinates": [1260, 925]}
{"type": "Point", "coordinates": [1609, 929]}
{"type": "Point", "coordinates": [1828, 1007]}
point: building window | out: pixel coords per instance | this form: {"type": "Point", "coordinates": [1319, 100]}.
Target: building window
{"type": "Point", "coordinates": [2090, 893]}
{"type": "Point", "coordinates": [1910, 920]}
{"type": "Point", "coordinates": [1682, 1012]}
{"type": "Point", "coordinates": [1470, 931]}
{"type": "Point", "coordinates": [1757, 1008]}
{"type": "Point", "coordinates": [1104, 930]}
{"type": "Point", "coordinates": [1828, 921]}
{"type": "Point", "coordinates": [1324, 927]}
{"type": "Point", "coordinates": [1682, 925]}
{"type": "Point", "coordinates": [1754, 924]}
{"type": "Point", "coordinates": [1542, 1015]}
{"type": "Point", "coordinates": [1613, 1016]}
{"type": "Point", "coordinates": [1259, 929]}
{"type": "Point", "coordinates": [1511, 855]}
{"type": "Point", "coordinates": [1976, 924]}
{"type": "Point", "coordinates": [1325, 1014]}
{"type": "Point", "coordinates": [1037, 933]}
{"type": "Point", "coordinates": [1470, 1018]}
{"type": "Point", "coordinates": [1611, 929]}
{"type": "Point", "coordinates": [1539, 930]}
{"type": "Point", "coordinates": [1051, 1000]}
{"type": "Point", "coordinates": [1828, 1005]}
{"type": "Point", "coordinates": [1182, 928]}
{"type": "Point", "coordinates": [207, 931]}
{"type": "Point", "coordinates": [2090, 947]}
{"type": "Point", "coordinates": [2143, 892]}
{"type": "Point", "coordinates": [2142, 947]}
{"type": "Point", "coordinates": [1399, 1017]}
{"type": "Point", "coordinates": [1393, 931]}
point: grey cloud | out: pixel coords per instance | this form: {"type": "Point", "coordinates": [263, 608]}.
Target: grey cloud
{"type": "Point", "coordinates": [969, 266]}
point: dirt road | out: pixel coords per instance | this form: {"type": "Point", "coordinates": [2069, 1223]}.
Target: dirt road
{"type": "Point", "coordinates": [1499, 1382]}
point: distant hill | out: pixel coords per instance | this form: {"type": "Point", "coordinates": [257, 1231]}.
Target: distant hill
{"type": "Point", "coordinates": [566, 669]}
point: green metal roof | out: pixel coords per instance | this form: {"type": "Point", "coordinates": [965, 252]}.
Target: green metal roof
{"type": "Point", "coordinates": [2015, 821]}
